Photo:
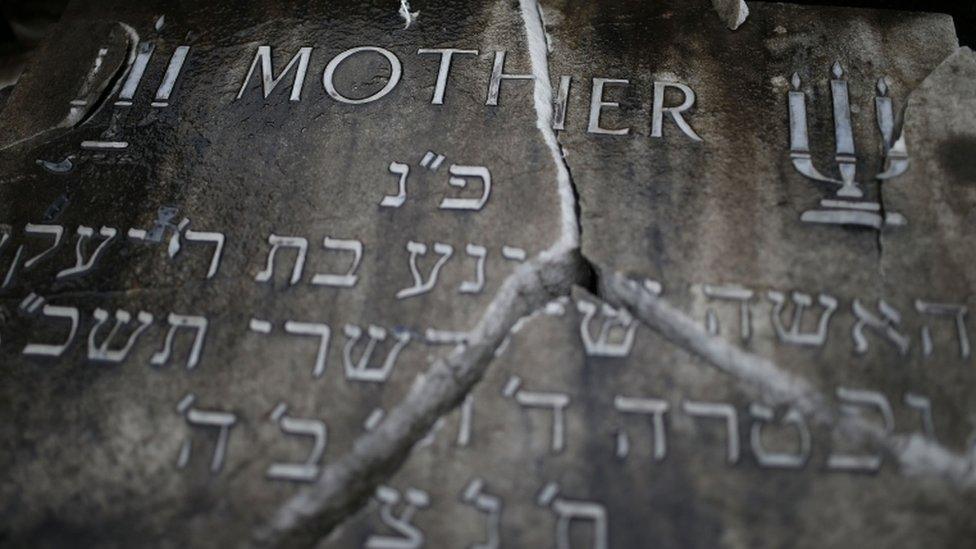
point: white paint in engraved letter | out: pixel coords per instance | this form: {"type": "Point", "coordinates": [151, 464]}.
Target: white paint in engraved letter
{"type": "Point", "coordinates": [561, 104]}
{"type": "Point", "coordinates": [408, 535]}
{"type": "Point", "coordinates": [276, 242]}
{"type": "Point", "coordinates": [395, 201]}
{"type": "Point", "coordinates": [197, 323]}
{"type": "Point", "coordinates": [713, 410]}
{"type": "Point", "coordinates": [308, 470]}
{"type": "Point", "coordinates": [497, 75]}
{"type": "Point", "coordinates": [464, 426]}
{"type": "Point", "coordinates": [57, 231]}
{"type": "Point", "coordinates": [349, 279]}
{"type": "Point", "coordinates": [959, 312]}
{"type": "Point", "coordinates": [458, 173]}
{"type": "Point", "coordinates": [597, 104]}
{"type": "Point", "coordinates": [645, 406]}
{"type": "Point", "coordinates": [782, 460]}
{"type": "Point", "coordinates": [217, 239]}
{"type": "Point", "coordinates": [82, 267]}
{"type": "Point", "coordinates": [732, 293]}
{"type": "Point", "coordinates": [657, 119]}
{"type": "Point", "coordinates": [602, 345]}
{"type": "Point", "coordinates": [419, 286]}
{"type": "Point", "coordinates": [475, 495]}
{"type": "Point", "coordinates": [102, 352]}
{"type": "Point", "coordinates": [268, 81]}
{"type": "Point", "coordinates": [323, 332]}
{"type": "Point", "coordinates": [204, 418]}
{"type": "Point", "coordinates": [480, 253]}
{"type": "Point", "coordinates": [924, 407]}
{"type": "Point", "coordinates": [884, 326]}
{"type": "Point", "coordinates": [359, 370]}
{"type": "Point", "coordinates": [794, 335]}
{"type": "Point", "coordinates": [396, 70]}
{"type": "Point", "coordinates": [557, 402]}
{"type": "Point", "coordinates": [135, 74]}
{"type": "Point", "coordinates": [169, 79]}
{"type": "Point", "coordinates": [447, 55]}
{"type": "Point", "coordinates": [568, 510]}
{"type": "Point", "coordinates": [55, 350]}
{"type": "Point", "coordinates": [857, 397]}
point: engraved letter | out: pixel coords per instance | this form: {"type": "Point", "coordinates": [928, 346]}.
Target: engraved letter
{"type": "Point", "coordinates": [321, 331]}
{"type": "Point", "coordinates": [102, 352]}
{"type": "Point", "coordinates": [408, 535]}
{"type": "Point", "coordinates": [555, 401]}
{"type": "Point", "coordinates": [885, 327]}
{"type": "Point", "coordinates": [395, 71]}
{"type": "Point", "coordinates": [57, 231]}
{"type": "Point", "coordinates": [732, 293]}
{"type": "Point", "coordinates": [395, 201]}
{"type": "Point", "coordinates": [445, 69]}
{"type": "Point", "coordinates": [419, 286]}
{"type": "Point", "coordinates": [644, 406]}
{"type": "Point", "coordinates": [475, 495]}
{"type": "Point", "coordinates": [308, 470]}
{"type": "Point", "coordinates": [944, 309]}
{"type": "Point", "coordinates": [863, 463]}
{"type": "Point", "coordinates": [198, 324]}
{"type": "Point", "coordinates": [223, 420]}
{"type": "Point", "coordinates": [657, 120]}
{"type": "Point", "coordinates": [763, 414]}
{"type": "Point", "coordinates": [81, 266]}
{"type": "Point", "coordinates": [458, 174]}
{"type": "Point", "coordinates": [568, 510]}
{"type": "Point", "coordinates": [268, 81]}
{"type": "Point", "coordinates": [718, 411]}
{"type": "Point", "coordinates": [349, 279]}
{"type": "Point", "coordinates": [597, 103]}
{"type": "Point", "coordinates": [794, 334]}
{"type": "Point", "coordinates": [479, 252]}
{"type": "Point", "coordinates": [276, 242]}
{"type": "Point", "coordinates": [603, 346]}
{"type": "Point", "coordinates": [55, 350]}
{"type": "Point", "coordinates": [360, 370]}
{"type": "Point", "coordinates": [497, 75]}
{"type": "Point", "coordinates": [218, 241]}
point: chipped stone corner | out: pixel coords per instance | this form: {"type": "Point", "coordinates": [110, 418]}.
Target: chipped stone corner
{"type": "Point", "coordinates": [732, 12]}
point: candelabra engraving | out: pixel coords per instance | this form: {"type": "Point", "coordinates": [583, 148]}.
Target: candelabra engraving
{"type": "Point", "coordinates": [848, 206]}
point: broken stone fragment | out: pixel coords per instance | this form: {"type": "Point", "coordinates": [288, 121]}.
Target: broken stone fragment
{"type": "Point", "coordinates": [733, 12]}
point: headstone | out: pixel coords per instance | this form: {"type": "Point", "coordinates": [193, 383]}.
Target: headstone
{"type": "Point", "coordinates": [502, 274]}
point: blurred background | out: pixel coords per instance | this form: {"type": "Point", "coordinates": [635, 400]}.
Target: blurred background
{"type": "Point", "coordinates": [24, 23]}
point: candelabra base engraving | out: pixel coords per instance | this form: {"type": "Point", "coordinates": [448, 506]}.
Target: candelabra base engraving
{"type": "Point", "coordinates": [851, 213]}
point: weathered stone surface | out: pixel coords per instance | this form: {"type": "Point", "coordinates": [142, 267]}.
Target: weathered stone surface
{"type": "Point", "coordinates": [93, 448]}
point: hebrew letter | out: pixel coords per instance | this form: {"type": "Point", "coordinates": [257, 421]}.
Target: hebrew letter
{"type": "Point", "coordinates": [349, 279]}
{"type": "Point", "coordinates": [408, 535]}
{"type": "Point", "coordinates": [5, 234]}
{"type": "Point", "coordinates": [479, 252]}
{"type": "Point", "coordinates": [102, 352]}
{"type": "Point", "coordinates": [645, 406]}
{"type": "Point", "coordinates": [464, 427]}
{"type": "Point", "coordinates": [718, 411]}
{"type": "Point", "coordinates": [419, 286]}
{"type": "Point", "coordinates": [198, 324]}
{"type": "Point", "coordinates": [55, 350]}
{"type": "Point", "coordinates": [862, 463]}
{"type": "Point", "coordinates": [795, 335]}
{"type": "Point", "coordinates": [359, 370]}
{"type": "Point", "coordinates": [568, 510]}
{"type": "Point", "coordinates": [397, 200]}
{"type": "Point", "coordinates": [203, 418]}
{"type": "Point", "coordinates": [321, 331]}
{"type": "Point", "coordinates": [82, 267]}
{"type": "Point", "coordinates": [287, 241]}
{"type": "Point", "coordinates": [308, 470]}
{"type": "Point", "coordinates": [762, 414]}
{"type": "Point", "coordinates": [458, 174]}
{"type": "Point", "coordinates": [959, 312]}
{"type": "Point", "coordinates": [884, 326]}
{"type": "Point", "coordinates": [557, 402]}
{"type": "Point", "coordinates": [732, 293]}
{"type": "Point", "coordinates": [924, 407]}
{"type": "Point", "coordinates": [615, 319]}
{"type": "Point", "coordinates": [56, 231]}
{"type": "Point", "coordinates": [475, 495]}
{"type": "Point", "coordinates": [217, 239]}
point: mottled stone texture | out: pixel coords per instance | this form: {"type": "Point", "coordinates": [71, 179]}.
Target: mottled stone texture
{"type": "Point", "coordinates": [90, 449]}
